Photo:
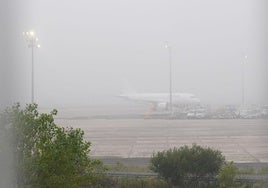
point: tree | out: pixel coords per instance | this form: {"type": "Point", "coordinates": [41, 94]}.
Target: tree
{"type": "Point", "coordinates": [47, 155]}
{"type": "Point", "coordinates": [187, 166]}
{"type": "Point", "coordinates": [228, 176]}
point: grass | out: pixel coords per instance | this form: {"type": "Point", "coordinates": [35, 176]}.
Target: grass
{"type": "Point", "coordinates": [120, 167]}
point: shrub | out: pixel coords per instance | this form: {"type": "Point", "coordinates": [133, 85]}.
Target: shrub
{"type": "Point", "coordinates": [228, 176]}
{"type": "Point", "coordinates": [47, 155]}
{"type": "Point", "coordinates": [188, 166]}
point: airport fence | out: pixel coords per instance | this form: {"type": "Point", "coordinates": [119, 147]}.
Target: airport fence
{"type": "Point", "coordinates": [249, 178]}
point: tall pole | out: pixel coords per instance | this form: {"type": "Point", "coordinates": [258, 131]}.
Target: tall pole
{"type": "Point", "coordinates": [32, 41]}
{"type": "Point", "coordinates": [32, 73]}
{"type": "Point", "coordinates": [170, 78]}
{"type": "Point", "coordinates": [170, 81]}
{"type": "Point", "coordinates": [243, 80]}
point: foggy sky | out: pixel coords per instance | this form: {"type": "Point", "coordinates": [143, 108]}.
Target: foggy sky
{"type": "Point", "coordinates": [89, 47]}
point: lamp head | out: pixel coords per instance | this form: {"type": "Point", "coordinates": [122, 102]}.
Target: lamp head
{"type": "Point", "coordinates": [167, 46]}
{"type": "Point", "coordinates": [32, 33]}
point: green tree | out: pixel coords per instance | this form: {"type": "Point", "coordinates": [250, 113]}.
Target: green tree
{"type": "Point", "coordinates": [47, 155]}
{"type": "Point", "coordinates": [228, 176]}
{"type": "Point", "coordinates": [188, 166]}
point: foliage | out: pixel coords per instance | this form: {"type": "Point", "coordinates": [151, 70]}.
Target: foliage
{"type": "Point", "coordinates": [263, 170]}
{"type": "Point", "coordinates": [228, 176]}
{"type": "Point", "coordinates": [188, 166]}
{"type": "Point", "coordinates": [121, 167]}
{"type": "Point", "coordinates": [126, 182]}
{"type": "Point", "coordinates": [260, 185]}
{"type": "Point", "coordinates": [47, 155]}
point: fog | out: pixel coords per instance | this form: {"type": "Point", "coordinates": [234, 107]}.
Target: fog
{"type": "Point", "coordinates": [89, 47]}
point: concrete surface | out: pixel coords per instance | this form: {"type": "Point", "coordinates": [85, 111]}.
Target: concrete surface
{"type": "Point", "coordinates": [241, 141]}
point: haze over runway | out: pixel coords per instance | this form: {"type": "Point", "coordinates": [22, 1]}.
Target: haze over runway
{"type": "Point", "coordinates": [88, 47]}
{"type": "Point", "coordinates": [217, 51]}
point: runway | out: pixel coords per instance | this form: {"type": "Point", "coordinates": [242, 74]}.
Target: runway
{"type": "Point", "coordinates": [241, 141]}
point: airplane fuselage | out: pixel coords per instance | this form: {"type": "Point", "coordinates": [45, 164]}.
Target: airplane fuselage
{"type": "Point", "coordinates": [177, 98]}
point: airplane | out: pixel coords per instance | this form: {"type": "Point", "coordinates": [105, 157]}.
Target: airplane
{"type": "Point", "coordinates": [161, 100]}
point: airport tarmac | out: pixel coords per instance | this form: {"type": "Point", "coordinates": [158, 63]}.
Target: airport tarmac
{"type": "Point", "coordinates": [240, 140]}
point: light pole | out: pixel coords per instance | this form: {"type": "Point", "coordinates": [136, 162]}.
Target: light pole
{"type": "Point", "coordinates": [168, 47]}
{"type": "Point", "coordinates": [243, 80]}
{"type": "Point", "coordinates": [32, 42]}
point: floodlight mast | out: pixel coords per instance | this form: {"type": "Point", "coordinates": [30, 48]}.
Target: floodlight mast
{"type": "Point", "coordinates": [243, 79]}
{"type": "Point", "coordinates": [168, 47]}
{"type": "Point", "coordinates": [32, 42]}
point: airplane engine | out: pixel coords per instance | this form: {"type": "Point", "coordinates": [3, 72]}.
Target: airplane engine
{"type": "Point", "coordinates": [162, 106]}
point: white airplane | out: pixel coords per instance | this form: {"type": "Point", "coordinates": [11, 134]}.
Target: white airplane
{"type": "Point", "coordinates": [162, 100]}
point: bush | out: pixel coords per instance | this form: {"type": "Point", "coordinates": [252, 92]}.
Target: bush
{"type": "Point", "coordinates": [228, 176]}
{"type": "Point", "coordinates": [134, 182]}
{"type": "Point", "coordinates": [47, 155]}
{"type": "Point", "coordinates": [188, 166]}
